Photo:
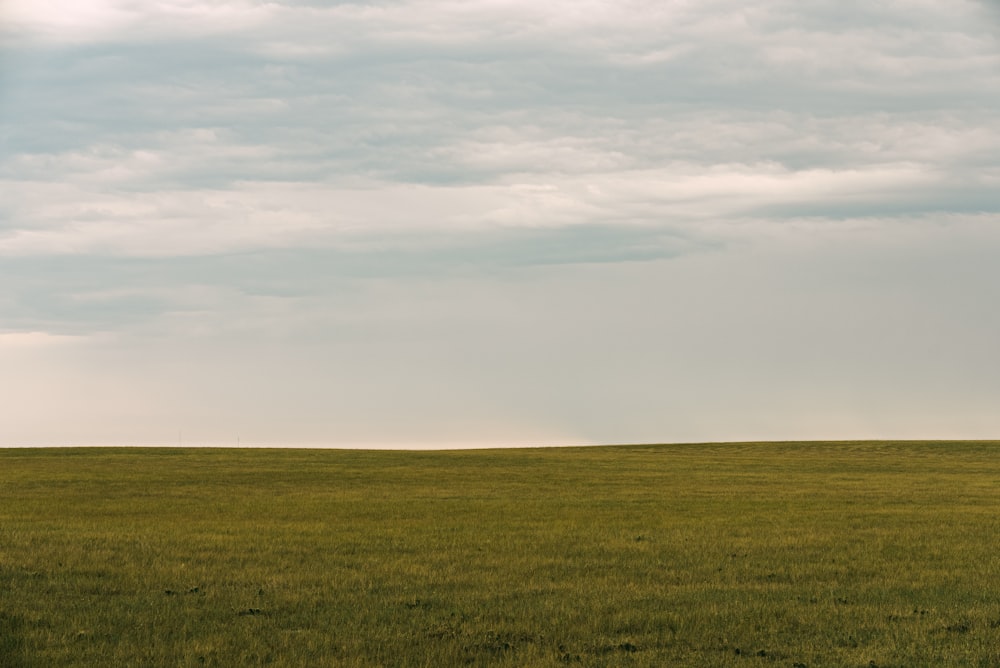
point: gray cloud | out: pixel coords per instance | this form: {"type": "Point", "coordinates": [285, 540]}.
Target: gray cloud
{"type": "Point", "coordinates": [459, 194]}
{"type": "Point", "coordinates": [89, 294]}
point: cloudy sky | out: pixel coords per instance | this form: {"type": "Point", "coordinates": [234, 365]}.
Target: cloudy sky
{"type": "Point", "coordinates": [498, 222]}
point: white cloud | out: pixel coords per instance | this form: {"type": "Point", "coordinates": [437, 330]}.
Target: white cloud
{"type": "Point", "coordinates": [65, 218]}
{"type": "Point", "coordinates": [58, 20]}
{"type": "Point", "coordinates": [14, 341]}
{"type": "Point", "coordinates": [95, 21]}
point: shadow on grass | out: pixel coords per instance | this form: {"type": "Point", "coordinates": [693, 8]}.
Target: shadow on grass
{"type": "Point", "coordinates": [11, 642]}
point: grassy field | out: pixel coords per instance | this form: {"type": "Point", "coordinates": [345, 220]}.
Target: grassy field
{"type": "Point", "coordinates": [788, 554]}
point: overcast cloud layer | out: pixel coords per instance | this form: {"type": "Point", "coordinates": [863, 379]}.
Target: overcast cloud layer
{"type": "Point", "coordinates": [497, 222]}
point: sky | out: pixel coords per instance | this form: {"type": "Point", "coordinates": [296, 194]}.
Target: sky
{"type": "Point", "coordinates": [441, 223]}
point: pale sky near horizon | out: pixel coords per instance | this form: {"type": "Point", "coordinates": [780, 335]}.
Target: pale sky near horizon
{"type": "Point", "coordinates": [436, 223]}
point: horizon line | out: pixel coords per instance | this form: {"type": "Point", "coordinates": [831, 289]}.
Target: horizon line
{"type": "Point", "coordinates": [424, 447]}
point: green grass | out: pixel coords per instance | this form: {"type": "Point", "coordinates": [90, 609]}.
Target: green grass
{"type": "Point", "coordinates": [783, 554]}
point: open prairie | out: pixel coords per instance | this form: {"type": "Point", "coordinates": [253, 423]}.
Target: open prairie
{"type": "Point", "coordinates": [770, 554]}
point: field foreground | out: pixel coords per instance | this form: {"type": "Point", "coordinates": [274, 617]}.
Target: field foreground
{"type": "Point", "coordinates": [783, 554]}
